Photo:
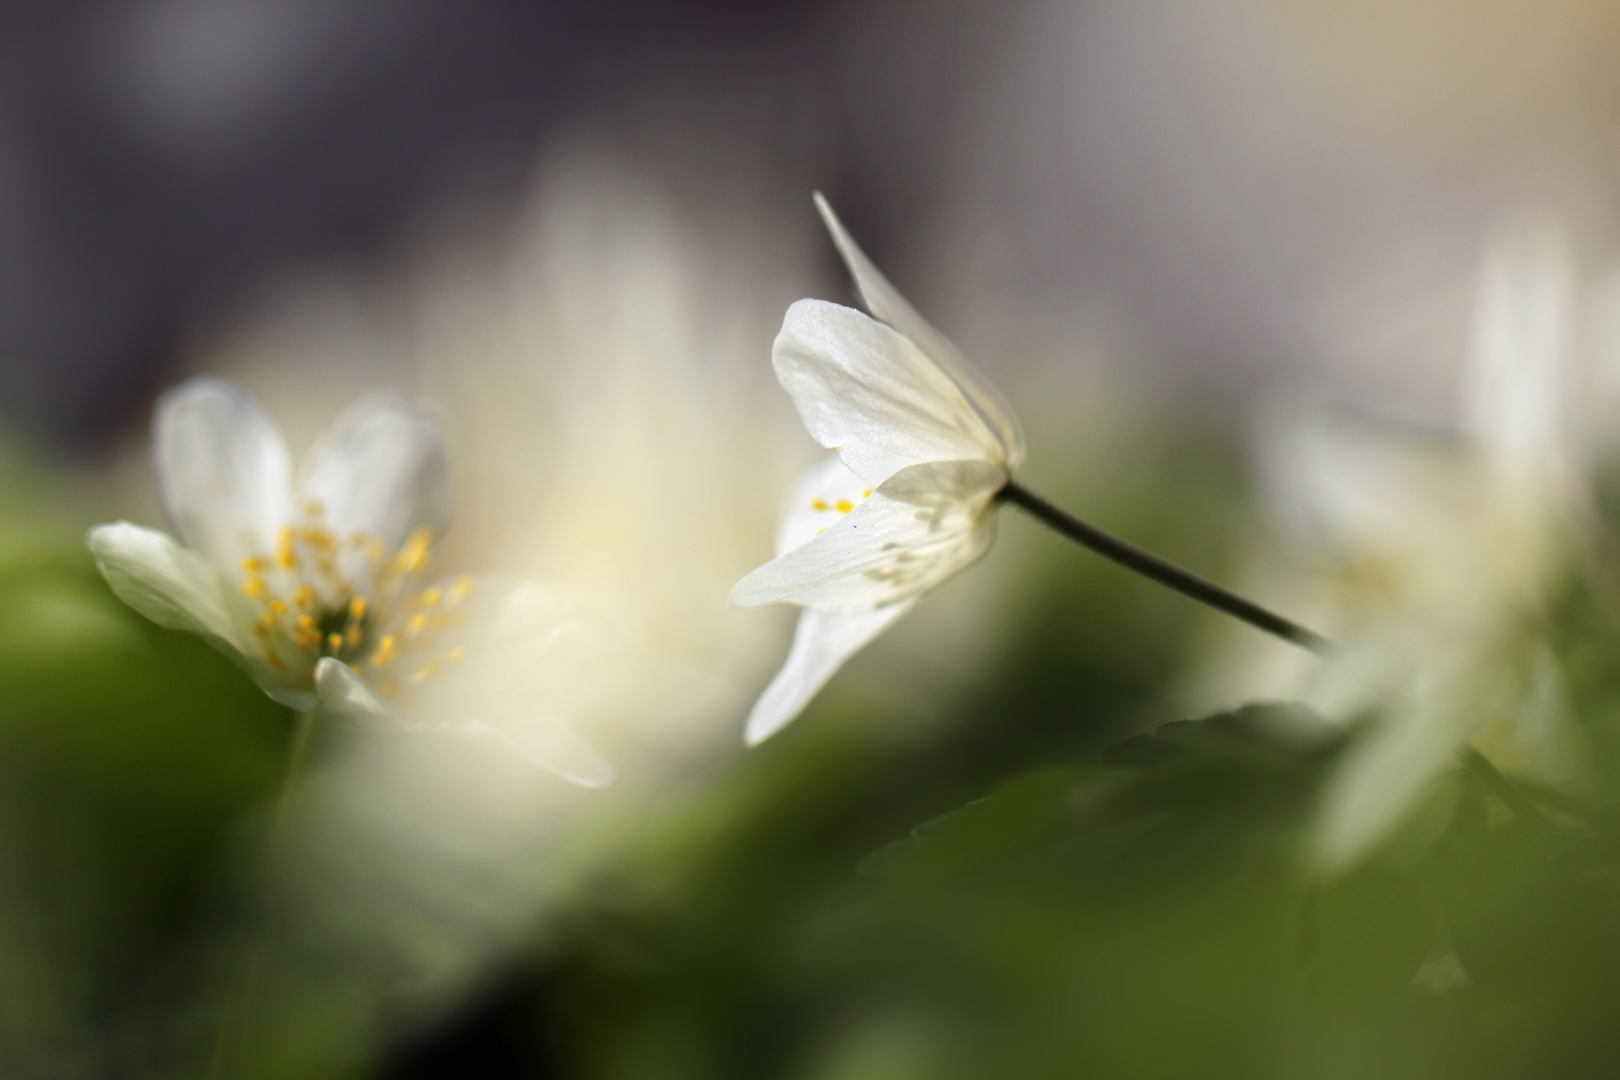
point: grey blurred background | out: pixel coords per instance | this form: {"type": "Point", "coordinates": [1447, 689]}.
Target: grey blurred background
{"type": "Point", "coordinates": [1234, 195]}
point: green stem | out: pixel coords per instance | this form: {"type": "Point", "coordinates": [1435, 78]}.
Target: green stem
{"type": "Point", "coordinates": [243, 988]}
{"type": "Point", "coordinates": [1167, 574]}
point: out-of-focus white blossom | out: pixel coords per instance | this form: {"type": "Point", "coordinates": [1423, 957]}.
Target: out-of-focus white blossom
{"type": "Point", "coordinates": [318, 586]}
{"type": "Point", "coordinates": [923, 445]}
{"type": "Point", "coordinates": [1436, 550]}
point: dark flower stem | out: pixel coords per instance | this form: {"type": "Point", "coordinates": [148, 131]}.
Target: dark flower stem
{"type": "Point", "coordinates": [1167, 574]}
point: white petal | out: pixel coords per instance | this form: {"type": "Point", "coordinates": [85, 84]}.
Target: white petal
{"type": "Point", "coordinates": [886, 304]}
{"type": "Point", "coordinates": [342, 693]}
{"type": "Point", "coordinates": [868, 391]}
{"type": "Point", "coordinates": [179, 589]}
{"type": "Point", "coordinates": [919, 527]}
{"type": "Point", "coordinates": [822, 496]}
{"type": "Point", "coordinates": [383, 470]}
{"type": "Point", "coordinates": [542, 740]}
{"type": "Point", "coordinates": [222, 467]}
{"type": "Point", "coordinates": [821, 644]}
{"type": "Point", "coordinates": [1521, 335]}
{"type": "Point", "coordinates": [172, 586]}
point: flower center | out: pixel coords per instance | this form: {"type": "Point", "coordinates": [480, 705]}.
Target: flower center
{"type": "Point", "coordinates": [347, 596]}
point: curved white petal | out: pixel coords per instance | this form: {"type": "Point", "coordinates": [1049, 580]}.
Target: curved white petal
{"type": "Point", "coordinates": [222, 468]}
{"type": "Point", "coordinates": [342, 693]}
{"type": "Point", "coordinates": [179, 589]}
{"type": "Point", "coordinates": [919, 527]}
{"type": "Point", "coordinates": [383, 470]}
{"type": "Point", "coordinates": [821, 644]}
{"type": "Point", "coordinates": [542, 740]}
{"type": "Point", "coordinates": [172, 586]}
{"type": "Point", "coordinates": [886, 304]}
{"type": "Point", "coordinates": [870, 392]}
{"type": "Point", "coordinates": [820, 498]}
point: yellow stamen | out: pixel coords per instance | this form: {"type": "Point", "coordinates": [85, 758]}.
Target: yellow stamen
{"type": "Point", "coordinates": [275, 662]}
{"type": "Point", "coordinates": [843, 506]}
{"type": "Point", "coordinates": [357, 608]}
{"type": "Point", "coordinates": [253, 565]}
{"type": "Point", "coordinates": [351, 636]}
{"type": "Point", "coordinates": [417, 624]}
{"type": "Point", "coordinates": [431, 596]}
{"type": "Point", "coordinates": [413, 556]}
{"type": "Point", "coordinates": [455, 654]}
{"type": "Point", "coordinates": [253, 588]}
{"type": "Point", "coordinates": [818, 504]}
{"type": "Point", "coordinates": [276, 608]}
{"type": "Point", "coordinates": [334, 641]}
{"type": "Point", "coordinates": [305, 597]}
{"type": "Point", "coordinates": [385, 653]}
{"type": "Point", "coordinates": [867, 494]}
{"type": "Point", "coordinates": [459, 590]}
{"type": "Point", "coordinates": [286, 557]}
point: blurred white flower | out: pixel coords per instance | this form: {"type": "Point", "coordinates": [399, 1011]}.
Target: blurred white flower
{"type": "Point", "coordinates": [318, 587]}
{"type": "Point", "coordinates": [1437, 550]}
{"type": "Point", "coordinates": [923, 444]}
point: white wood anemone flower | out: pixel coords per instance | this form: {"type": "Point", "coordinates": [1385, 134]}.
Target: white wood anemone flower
{"type": "Point", "coordinates": [924, 446]}
{"type": "Point", "coordinates": [316, 584]}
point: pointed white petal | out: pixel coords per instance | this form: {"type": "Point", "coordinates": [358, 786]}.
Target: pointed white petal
{"type": "Point", "coordinates": [822, 496]}
{"type": "Point", "coordinates": [222, 467]}
{"type": "Point", "coordinates": [821, 644]}
{"type": "Point", "coordinates": [342, 693]}
{"type": "Point", "coordinates": [886, 304]}
{"type": "Point", "coordinates": [179, 589]}
{"type": "Point", "coordinates": [382, 470]}
{"type": "Point", "coordinates": [1382, 778]}
{"type": "Point", "coordinates": [868, 391]}
{"type": "Point", "coordinates": [919, 527]}
{"type": "Point", "coordinates": [542, 740]}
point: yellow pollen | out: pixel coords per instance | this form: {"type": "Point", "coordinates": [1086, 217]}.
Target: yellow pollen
{"type": "Point", "coordinates": [334, 642]}
{"type": "Point", "coordinates": [385, 653]}
{"type": "Point", "coordinates": [286, 557]}
{"type": "Point", "coordinates": [843, 506]}
{"type": "Point", "coordinates": [455, 654]}
{"type": "Point", "coordinates": [357, 608]}
{"type": "Point", "coordinates": [253, 588]}
{"type": "Point", "coordinates": [417, 624]}
{"type": "Point", "coordinates": [253, 565]}
{"type": "Point", "coordinates": [867, 494]}
{"type": "Point", "coordinates": [276, 608]}
{"type": "Point", "coordinates": [459, 590]}
{"type": "Point", "coordinates": [304, 597]}
{"type": "Point", "coordinates": [818, 504]}
{"type": "Point", "coordinates": [305, 622]}
{"type": "Point", "coordinates": [431, 596]}
{"type": "Point", "coordinates": [267, 619]}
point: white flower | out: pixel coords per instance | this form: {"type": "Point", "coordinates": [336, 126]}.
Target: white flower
{"type": "Point", "coordinates": [1440, 552]}
{"type": "Point", "coordinates": [924, 445]}
{"type": "Point", "coordinates": [317, 585]}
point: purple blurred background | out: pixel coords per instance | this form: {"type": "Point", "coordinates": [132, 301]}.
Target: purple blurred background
{"type": "Point", "coordinates": [1241, 191]}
